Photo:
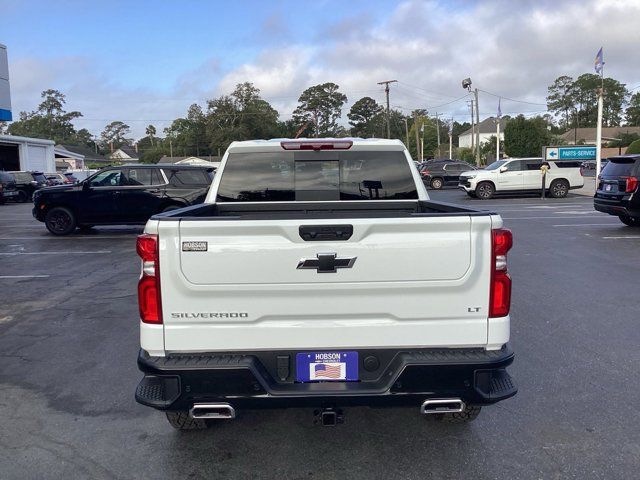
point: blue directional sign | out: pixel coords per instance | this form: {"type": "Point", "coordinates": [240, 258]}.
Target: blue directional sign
{"type": "Point", "coordinates": [5, 97]}
{"type": "Point", "coordinates": [570, 153]}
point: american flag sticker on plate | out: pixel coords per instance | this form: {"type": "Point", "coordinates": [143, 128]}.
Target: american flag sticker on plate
{"type": "Point", "coordinates": [327, 371]}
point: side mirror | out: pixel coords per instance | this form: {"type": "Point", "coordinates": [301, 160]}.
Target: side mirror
{"type": "Point", "coordinates": [503, 169]}
{"type": "Point", "coordinates": [86, 186]}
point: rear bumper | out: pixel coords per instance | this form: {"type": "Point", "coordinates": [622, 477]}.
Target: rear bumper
{"type": "Point", "coordinates": [615, 206]}
{"type": "Point", "coordinates": [266, 379]}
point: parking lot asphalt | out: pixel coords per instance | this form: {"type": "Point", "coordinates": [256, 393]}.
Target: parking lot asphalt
{"type": "Point", "coordinates": [69, 340]}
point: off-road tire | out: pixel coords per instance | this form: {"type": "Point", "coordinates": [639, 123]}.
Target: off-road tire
{"type": "Point", "coordinates": [485, 190]}
{"type": "Point", "coordinates": [182, 421]}
{"type": "Point", "coordinates": [60, 221]}
{"type": "Point", "coordinates": [559, 189]}
{"type": "Point", "coordinates": [22, 197]}
{"type": "Point", "coordinates": [630, 221]}
{"type": "Point", "coordinates": [436, 183]}
{"type": "Point", "coordinates": [469, 415]}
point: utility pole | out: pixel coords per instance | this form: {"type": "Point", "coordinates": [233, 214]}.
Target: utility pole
{"type": "Point", "coordinates": [599, 64]}
{"type": "Point", "coordinates": [451, 140]}
{"type": "Point", "coordinates": [386, 91]}
{"type": "Point", "coordinates": [477, 129]}
{"type": "Point", "coordinates": [415, 126]}
{"type": "Point", "coordinates": [406, 131]}
{"type": "Point", "coordinates": [438, 130]}
{"type": "Point", "coordinates": [473, 130]}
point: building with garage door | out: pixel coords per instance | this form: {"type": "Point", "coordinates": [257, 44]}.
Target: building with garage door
{"type": "Point", "coordinates": [26, 154]}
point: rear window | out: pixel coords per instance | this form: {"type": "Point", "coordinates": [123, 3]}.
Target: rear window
{"type": "Point", "coordinates": [39, 177]}
{"type": "Point", "coordinates": [576, 164]}
{"type": "Point", "coordinates": [316, 176]}
{"type": "Point", "coordinates": [188, 178]}
{"type": "Point", "coordinates": [621, 167]}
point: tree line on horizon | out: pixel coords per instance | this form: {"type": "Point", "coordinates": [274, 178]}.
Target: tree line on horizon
{"type": "Point", "coordinates": [244, 114]}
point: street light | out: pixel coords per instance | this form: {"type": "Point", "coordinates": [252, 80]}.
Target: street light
{"type": "Point", "coordinates": [466, 84]}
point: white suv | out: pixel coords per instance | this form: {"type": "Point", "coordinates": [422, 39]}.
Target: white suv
{"type": "Point", "coordinates": [522, 175]}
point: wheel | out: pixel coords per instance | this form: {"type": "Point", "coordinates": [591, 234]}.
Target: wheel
{"type": "Point", "coordinates": [436, 183]}
{"type": "Point", "coordinates": [559, 189]}
{"type": "Point", "coordinates": [22, 196]}
{"type": "Point", "coordinates": [60, 221]}
{"type": "Point", "coordinates": [469, 415]}
{"type": "Point", "coordinates": [485, 190]}
{"type": "Point", "coordinates": [170, 208]}
{"type": "Point", "coordinates": [182, 421]}
{"type": "Point", "coordinates": [630, 221]}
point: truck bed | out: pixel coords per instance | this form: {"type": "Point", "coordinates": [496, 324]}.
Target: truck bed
{"type": "Point", "coordinates": [318, 210]}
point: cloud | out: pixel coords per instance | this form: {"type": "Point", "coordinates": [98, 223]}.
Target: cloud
{"type": "Point", "coordinates": [511, 48]}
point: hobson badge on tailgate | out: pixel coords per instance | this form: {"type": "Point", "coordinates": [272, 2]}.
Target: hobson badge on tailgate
{"type": "Point", "coordinates": [194, 246]}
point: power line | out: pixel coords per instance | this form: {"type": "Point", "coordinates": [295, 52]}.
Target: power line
{"type": "Point", "coordinates": [512, 99]}
{"type": "Point", "coordinates": [427, 91]}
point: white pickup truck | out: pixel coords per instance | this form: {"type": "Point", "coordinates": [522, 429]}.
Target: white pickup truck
{"type": "Point", "coordinates": [318, 273]}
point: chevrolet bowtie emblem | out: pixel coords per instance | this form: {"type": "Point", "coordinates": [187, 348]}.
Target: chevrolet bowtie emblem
{"type": "Point", "coordinates": [326, 263]}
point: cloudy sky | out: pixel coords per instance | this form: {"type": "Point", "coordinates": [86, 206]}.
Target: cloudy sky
{"type": "Point", "coordinates": [147, 61]}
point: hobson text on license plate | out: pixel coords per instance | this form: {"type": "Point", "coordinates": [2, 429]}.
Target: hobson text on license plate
{"type": "Point", "coordinates": [327, 366]}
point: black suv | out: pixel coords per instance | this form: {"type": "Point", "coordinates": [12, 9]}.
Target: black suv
{"type": "Point", "coordinates": [27, 183]}
{"type": "Point", "coordinates": [618, 193]}
{"type": "Point", "coordinates": [438, 174]}
{"type": "Point", "coordinates": [126, 195]}
{"type": "Point", "coordinates": [8, 190]}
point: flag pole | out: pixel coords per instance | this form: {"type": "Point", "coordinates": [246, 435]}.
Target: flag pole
{"type": "Point", "coordinates": [498, 132]}
{"type": "Point", "coordinates": [599, 57]}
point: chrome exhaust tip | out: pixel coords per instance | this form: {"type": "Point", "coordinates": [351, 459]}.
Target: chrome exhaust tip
{"type": "Point", "coordinates": [442, 405]}
{"type": "Point", "coordinates": [212, 411]}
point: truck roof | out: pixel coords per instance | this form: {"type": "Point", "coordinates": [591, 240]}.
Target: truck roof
{"type": "Point", "coordinates": [274, 144]}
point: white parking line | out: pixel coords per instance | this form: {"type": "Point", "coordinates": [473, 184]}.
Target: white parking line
{"type": "Point", "coordinates": [618, 238]}
{"type": "Point", "coordinates": [14, 277]}
{"type": "Point", "coordinates": [56, 253]}
{"type": "Point", "coordinates": [92, 237]}
{"type": "Point", "coordinates": [588, 224]}
{"type": "Point", "coordinates": [578, 217]}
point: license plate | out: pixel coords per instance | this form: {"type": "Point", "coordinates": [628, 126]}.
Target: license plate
{"type": "Point", "coordinates": [607, 188]}
{"type": "Point", "coordinates": [327, 366]}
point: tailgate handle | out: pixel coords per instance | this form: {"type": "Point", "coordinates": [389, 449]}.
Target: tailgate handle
{"type": "Point", "coordinates": [322, 233]}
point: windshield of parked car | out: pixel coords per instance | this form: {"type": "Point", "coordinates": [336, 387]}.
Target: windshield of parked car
{"type": "Point", "coordinates": [495, 165]}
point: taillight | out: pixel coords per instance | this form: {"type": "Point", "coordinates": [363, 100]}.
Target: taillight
{"type": "Point", "coordinates": [631, 184]}
{"type": "Point", "coordinates": [316, 144]}
{"type": "Point", "coordinates": [149, 283]}
{"type": "Point", "coordinates": [500, 293]}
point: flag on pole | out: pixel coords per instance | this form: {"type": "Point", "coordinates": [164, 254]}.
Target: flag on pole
{"type": "Point", "coordinates": [499, 110]}
{"type": "Point", "coordinates": [599, 62]}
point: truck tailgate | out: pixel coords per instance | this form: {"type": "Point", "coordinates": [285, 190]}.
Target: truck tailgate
{"type": "Point", "coordinates": [415, 282]}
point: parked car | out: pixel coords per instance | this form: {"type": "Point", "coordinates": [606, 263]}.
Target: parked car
{"type": "Point", "coordinates": [618, 192]}
{"type": "Point", "coordinates": [8, 190]}
{"type": "Point", "coordinates": [71, 178]}
{"type": "Point", "coordinates": [27, 183]}
{"type": "Point", "coordinates": [521, 175]}
{"type": "Point", "coordinates": [125, 195]}
{"type": "Point", "coordinates": [57, 179]}
{"type": "Point", "coordinates": [440, 174]}
{"type": "Point", "coordinates": [299, 283]}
